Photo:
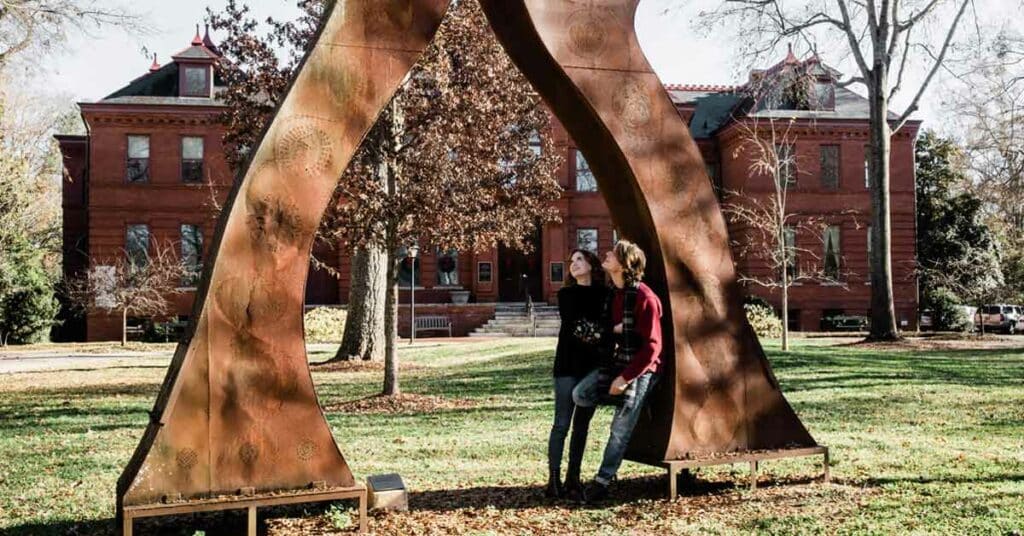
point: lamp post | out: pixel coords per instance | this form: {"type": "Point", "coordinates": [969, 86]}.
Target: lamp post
{"type": "Point", "coordinates": [414, 251]}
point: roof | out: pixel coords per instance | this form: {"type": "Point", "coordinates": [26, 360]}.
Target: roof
{"type": "Point", "coordinates": [713, 106]}
{"type": "Point", "coordinates": [849, 105]}
{"type": "Point", "coordinates": [162, 83]}
{"type": "Point", "coordinates": [196, 52]}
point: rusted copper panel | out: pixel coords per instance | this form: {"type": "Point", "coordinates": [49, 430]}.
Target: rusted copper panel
{"type": "Point", "coordinates": [238, 408]}
{"type": "Point", "coordinates": [717, 393]}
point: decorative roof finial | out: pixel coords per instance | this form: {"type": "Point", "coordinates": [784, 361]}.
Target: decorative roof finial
{"type": "Point", "coordinates": [156, 66]}
{"type": "Point", "coordinates": [198, 39]}
{"type": "Point", "coordinates": [791, 58]}
{"type": "Point", "coordinates": [208, 41]}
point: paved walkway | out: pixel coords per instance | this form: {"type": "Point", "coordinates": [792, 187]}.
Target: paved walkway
{"type": "Point", "coordinates": [15, 362]}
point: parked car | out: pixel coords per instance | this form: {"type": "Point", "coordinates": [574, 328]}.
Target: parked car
{"type": "Point", "coordinates": [1000, 317]}
{"type": "Point", "coordinates": [926, 323]}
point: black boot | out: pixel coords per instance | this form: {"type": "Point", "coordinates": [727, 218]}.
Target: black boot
{"type": "Point", "coordinates": [596, 493]}
{"type": "Point", "coordinates": [573, 488]}
{"type": "Point", "coordinates": [554, 488]}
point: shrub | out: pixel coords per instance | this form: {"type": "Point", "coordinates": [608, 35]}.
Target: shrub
{"type": "Point", "coordinates": [947, 314]}
{"type": "Point", "coordinates": [27, 302]}
{"type": "Point", "coordinates": [764, 321]}
{"type": "Point", "coordinates": [325, 324]}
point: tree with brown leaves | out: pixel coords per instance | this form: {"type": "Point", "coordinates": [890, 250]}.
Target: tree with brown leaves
{"type": "Point", "coordinates": [460, 159]}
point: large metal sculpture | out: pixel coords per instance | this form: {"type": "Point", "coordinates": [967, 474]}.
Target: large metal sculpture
{"type": "Point", "coordinates": [238, 410]}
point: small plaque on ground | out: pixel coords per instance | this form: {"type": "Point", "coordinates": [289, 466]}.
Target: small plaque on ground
{"type": "Point", "coordinates": [387, 492]}
{"type": "Point", "coordinates": [388, 482]}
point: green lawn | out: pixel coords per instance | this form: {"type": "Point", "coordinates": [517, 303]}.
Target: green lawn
{"type": "Point", "coordinates": [923, 442]}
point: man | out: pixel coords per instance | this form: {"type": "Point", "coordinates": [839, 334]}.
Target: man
{"type": "Point", "coordinates": [635, 313]}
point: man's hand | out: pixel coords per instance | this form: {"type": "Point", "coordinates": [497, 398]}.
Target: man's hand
{"type": "Point", "coordinates": [618, 386]}
{"type": "Point", "coordinates": [617, 329]}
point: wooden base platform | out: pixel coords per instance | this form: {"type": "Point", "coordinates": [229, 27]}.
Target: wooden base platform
{"type": "Point", "coordinates": [751, 457]}
{"type": "Point", "coordinates": [249, 502]}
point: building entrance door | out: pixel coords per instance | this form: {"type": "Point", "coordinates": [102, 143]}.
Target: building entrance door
{"type": "Point", "coordinates": [519, 272]}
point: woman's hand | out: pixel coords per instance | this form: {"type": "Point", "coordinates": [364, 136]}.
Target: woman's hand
{"type": "Point", "coordinates": [618, 386]}
{"type": "Point", "coordinates": [617, 329]}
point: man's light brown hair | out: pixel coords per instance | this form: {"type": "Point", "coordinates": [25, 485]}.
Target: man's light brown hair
{"type": "Point", "coordinates": [633, 261]}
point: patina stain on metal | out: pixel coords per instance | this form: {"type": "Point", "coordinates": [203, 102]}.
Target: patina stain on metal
{"type": "Point", "coordinates": [717, 394]}
{"type": "Point", "coordinates": [238, 409]}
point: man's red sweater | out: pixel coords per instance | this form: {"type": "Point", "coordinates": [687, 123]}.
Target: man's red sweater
{"type": "Point", "coordinates": [647, 322]}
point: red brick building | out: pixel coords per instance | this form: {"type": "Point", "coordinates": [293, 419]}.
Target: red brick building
{"type": "Point", "coordinates": [140, 178]}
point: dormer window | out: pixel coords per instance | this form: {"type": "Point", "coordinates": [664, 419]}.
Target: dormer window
{"type": "Point", "coordinates": [196, 81]}
{"type": "Point", "coordinates": [824, 94]}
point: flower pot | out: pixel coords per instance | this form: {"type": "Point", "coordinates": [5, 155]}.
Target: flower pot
{"type": "Point", "coordinates": [460, 297]}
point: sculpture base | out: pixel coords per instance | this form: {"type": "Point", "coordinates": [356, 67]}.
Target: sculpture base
{"type": "Point", "coordinates": [249, 502]}
{"type": "Point", "coordinates": [752, 457]}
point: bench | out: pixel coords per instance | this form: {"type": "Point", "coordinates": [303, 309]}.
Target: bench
{"type": "Point", "coordinates": [433, 323]}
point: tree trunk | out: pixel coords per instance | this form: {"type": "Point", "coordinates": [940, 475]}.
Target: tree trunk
{"type": "Point", "coordinates": [364, 336]}
{"type": "Point", "coordinates": [883, 310]}
{"type": "Point", "coordinates": [391, 386]}
{"type": "Point", "coordinates": [785, 289]}
{"type": "Point", "coordinates": [124, 326]}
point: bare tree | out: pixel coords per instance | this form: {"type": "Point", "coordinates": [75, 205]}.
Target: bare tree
{"type": "Point", "coordinates": [129, 285]}
{"type": "Point", "coordinates": [887, 40]}
{"type": "Point", "coordinates": [40, 25]}
{"type": "Point", "coordinates": [771, 232]}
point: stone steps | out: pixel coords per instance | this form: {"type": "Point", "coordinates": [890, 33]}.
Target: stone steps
{"type": "Point", "coordinates": [511, 320]}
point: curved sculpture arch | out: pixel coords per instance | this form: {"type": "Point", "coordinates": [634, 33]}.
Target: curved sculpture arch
{"type": "Point", "coordinates": [238, 408]}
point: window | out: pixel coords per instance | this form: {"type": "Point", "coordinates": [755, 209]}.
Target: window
{"type": "Point", "coordinates": [832, 253]}
{"type": "Point", "coordinates": [192, 159]}
{"type": "Point", "coordinates": [138, 159]}
{"type": "Point", "coordinates": [867, 167]}
{"type": "Point", "coordinates": [587, 239]}
{"type": "Point", "coordinates": [191, 253]}
{"type": "Point", "coordinates": [483, 272]}
{"type": "Point", "coordinates": [786, 157]}
{"type": "Point", "coordinates": [830, 167]}
{"type": "Point", "coordinates": [196, 82]}
{"type": "Point", "coordinates": [585, 181]}
{"type": "Point", "coordinates": [535, 144]}
{"type": "Point", "coordinates": [792, 268]}
{"type": "Point", "coordinates": [448, 268]}
{"type": "Point", "coordinates": [557, 272]}
{"type": "Point", "coordinates": [615, 236]}
{"type": "Point", "coordinates": [137, 245]}
{"type": "Point", "coordinates": [406, 268]}
{"type": "Point", "coordinates": [825, 95]}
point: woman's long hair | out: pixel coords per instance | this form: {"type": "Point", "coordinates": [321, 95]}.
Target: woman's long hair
{"type": "Point", "coordinates": [596, 273]}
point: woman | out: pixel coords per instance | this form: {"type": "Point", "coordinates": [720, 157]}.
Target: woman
{"type": "Point", "coordinates": [581, 305]}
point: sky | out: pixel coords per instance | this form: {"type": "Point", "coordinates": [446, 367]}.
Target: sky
{"type": "Point", "coordinates": [97, 62]}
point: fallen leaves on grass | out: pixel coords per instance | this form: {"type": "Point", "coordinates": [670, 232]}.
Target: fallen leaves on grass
{"type": "Point", "coordinates": [405, 403]}
{"type": "Point", "coordinates": [356, 365]}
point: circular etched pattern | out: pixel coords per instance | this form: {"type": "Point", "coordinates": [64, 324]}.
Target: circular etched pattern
{"type": "Point", "coordinates": [632, 104]}
{"type": "Point", "coordinates": [248, 453]}
{"type": "Point", "coordinates": [187, 459]}
{"type": "Point", "coordinates": [306, 450]}
{"type": "Point", "coordinates": [304, 149]}
{"type": "Point", "coordinates": [588, 31]}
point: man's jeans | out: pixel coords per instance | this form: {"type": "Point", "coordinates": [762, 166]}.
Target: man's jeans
{"type": "Point", "coordinates": [565, 413]}
{"type": "Point", "coordinates": [586, 396]}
